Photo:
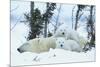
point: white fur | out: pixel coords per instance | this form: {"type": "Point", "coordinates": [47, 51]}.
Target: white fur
{"type": "Point", "coordinates": [70, 34]}
{"type": "Point", "coordinates": [71, 45]}
{"type": "Point", "coordinates": [38, 45]}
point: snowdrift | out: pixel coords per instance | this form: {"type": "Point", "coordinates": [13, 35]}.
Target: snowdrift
{"type": "Point", "coordinates": [53, 56]}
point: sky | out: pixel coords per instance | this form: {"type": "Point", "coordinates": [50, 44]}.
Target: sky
{"type": "Point", "coordinates": [18, 8]}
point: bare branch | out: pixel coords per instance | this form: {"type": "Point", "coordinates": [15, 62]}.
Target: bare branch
{"type": "Point", "coordinates": [80, 15]}
{"type": "Point", "coordinates": [54, 18]}
{"type": "Point", "coordinates": [14, 9]}
{"type": "Point", "coordinates": [16, 23]}
{"type": "Point", "coordinates": [53, 24]}
{"type": "Point", "coordinates": [57, 18]}
{"type": "Point", "coordinates": [72, 16]}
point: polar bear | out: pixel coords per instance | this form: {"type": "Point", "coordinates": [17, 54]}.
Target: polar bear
{"type": "Point", "coordinates": [61, 31]}
{"type": "Point", "coordinates": [38, 45]}
{"type": "Point", "coordinates": [68, 33]}
{"type": "Point", "coordinates": [70, 45]}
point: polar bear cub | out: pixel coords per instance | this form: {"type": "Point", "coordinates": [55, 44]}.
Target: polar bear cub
{"type": "Point", "coordinates": [70, 45]}
{"type": "Point", "coordinates": [68, 33]}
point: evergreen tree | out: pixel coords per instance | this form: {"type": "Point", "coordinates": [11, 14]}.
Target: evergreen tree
{"type": "Point", "coordinates": [91, 28]}
{"type": "Point", "coordinates": [47, 15]}
{"type": "Point", "coordinates": [37, 20]}
{"type": "Point", "coordinates": [35, 23]}
{"type": "Point", "coordinates": [49, 34]}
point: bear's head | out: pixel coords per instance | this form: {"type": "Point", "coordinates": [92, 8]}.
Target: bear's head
{"type": "Point", "coordinates": [60, 42]}
{"type": "Point", "coordinates": [24, 48]}
{"type": "Point", "coordinates": [61, 31]}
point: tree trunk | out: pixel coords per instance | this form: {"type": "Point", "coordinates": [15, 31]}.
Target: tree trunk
{"type": "Point", "coordinates": [45, 29]}
{"type": "Point", "coordinates": [77, 14]}
{"type": "Point", "coordinates": [57, 19]}
{"type": "Point", "coordinates": [91, 26]}
{"type": "Point", "coordinates": [73, 17]}
{"type": "Point", "coordinates": [46, 21]}
{"type": "Point", "coordinates": [32, 9]}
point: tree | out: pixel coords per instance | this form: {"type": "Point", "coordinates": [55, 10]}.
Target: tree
{"type": "Point", "coordinates": [78, 14]}
{"type": "Point", "coordinates": [35, 23]}
{"type": "Point", "coordinates": [32, 9]}
{"type": "Point", "coordinates": [57, 18]}
{"type": "Point", "coordinates": [47, 15]}
{"type": "Point", "coordinates": [49, 34]}
{"type": "Point", "coordinates": [73, 16]}
{"type": "Point", "coordinates": [91, 28]}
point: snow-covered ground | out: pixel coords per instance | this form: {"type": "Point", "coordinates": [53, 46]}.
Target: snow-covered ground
{"type": "Point", "coordinates": [52, 56]}
{"type": "Point", "coordinates": [20, 31]}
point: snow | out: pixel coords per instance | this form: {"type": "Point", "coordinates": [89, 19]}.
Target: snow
{"type": "Point", "coordinates": [20, 31]}
{"type": "Point", "coordinates": [53, 56]}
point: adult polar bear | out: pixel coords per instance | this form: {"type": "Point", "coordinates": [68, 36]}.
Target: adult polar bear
{"type": "Point", "coordinates": [38, 45]}
{"type": "Point", "coordinates": [68, 33]}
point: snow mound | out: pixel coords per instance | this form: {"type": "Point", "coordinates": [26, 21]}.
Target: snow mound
{"type": "Point", "coordinates": [51, 57]}
{"type": "Point", "coordinates": [54, 56]}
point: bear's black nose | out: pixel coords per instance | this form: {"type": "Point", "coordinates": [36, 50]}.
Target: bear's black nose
{"type": "Point", "coordinates": [61, 45]}
{"type": "Point", "coordinates": [63, 33]}
{"type": "Point", "coordinates": [19, 50]}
